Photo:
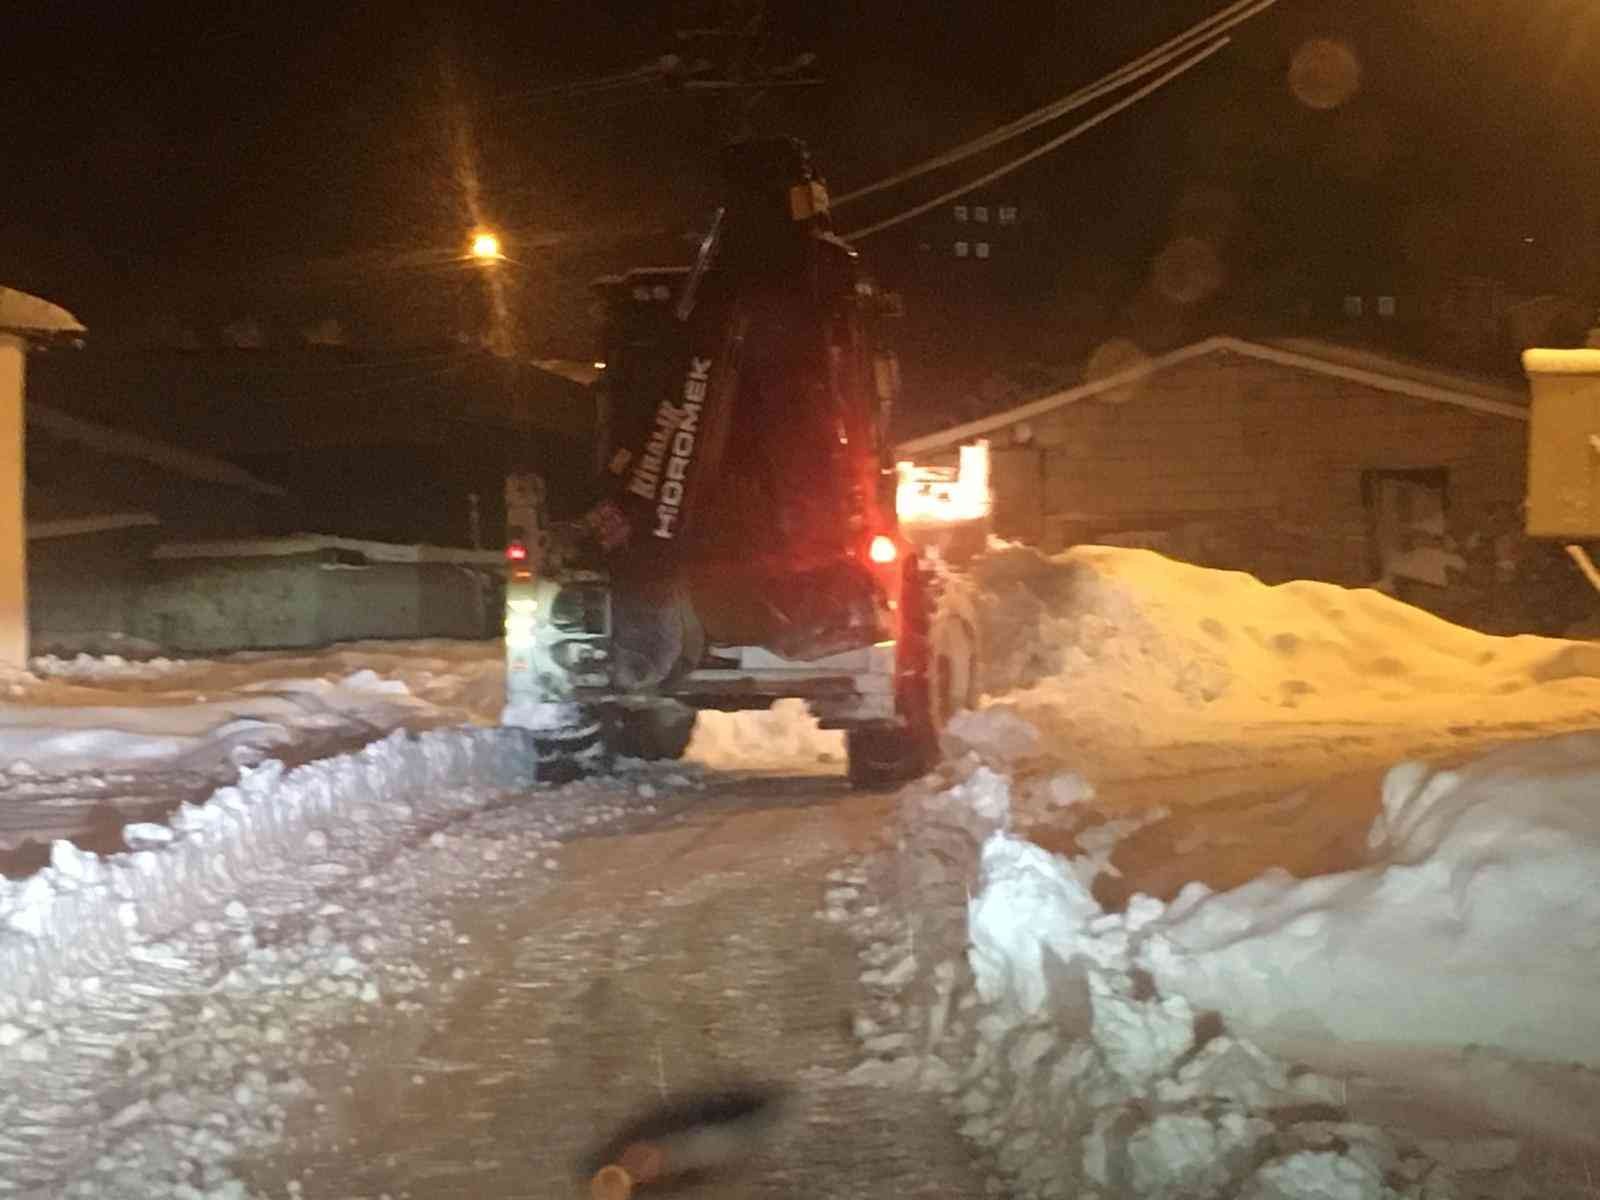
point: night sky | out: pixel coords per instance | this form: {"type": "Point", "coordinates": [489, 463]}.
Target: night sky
{"type": "Point", "coordinates": [161, 156]}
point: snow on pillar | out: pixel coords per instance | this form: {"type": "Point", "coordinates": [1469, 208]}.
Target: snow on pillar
{"type": "Point", "coordinates": [1564, 443]}
{"type": "Point", "coordinates": [24, 321]}
{"type": "Point", "coordinates": [13, 537]}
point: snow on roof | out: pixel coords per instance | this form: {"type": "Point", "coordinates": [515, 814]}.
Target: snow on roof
{"type": "Point", "coordinates": [1378, 371]}
{"type": "Point", "coordinates": [103, 523]}
{"type": "Point", "coordinates": [310, 543]}
{"type": "Point", "coordinates": [568, 369]}
{"type": "Point", "coordinates": [22, 313]}
{"type": "Point", "coordinates": [119, 443]}
{"type": "Point", "coordinates": [1584, 361]}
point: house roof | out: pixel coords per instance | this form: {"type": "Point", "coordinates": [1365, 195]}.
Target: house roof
{"type": "Point", "coordinates": [34, 319]}
{"type": "Point", "coordinates": [1379, 371]}
{"type": "Point", "coordinates": [93, 523]}
{"type": "Point", "coordinates": [232, 402]}
{"type": "Point", "coordinates": [118, 443]}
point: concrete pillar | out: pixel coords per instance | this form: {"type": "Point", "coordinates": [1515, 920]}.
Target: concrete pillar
{"type": "Point", "coordinates": [13, 528]}
{"type": "Point", "coordinates": [1564, 443]}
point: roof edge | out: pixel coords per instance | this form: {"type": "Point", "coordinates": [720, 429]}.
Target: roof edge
{"type": "Point", "coordinates": [118, 442]}
{"type": "Point", "coordinates": [1055, 400]}
{"type": "Point", "coordinates": [1395, 384]}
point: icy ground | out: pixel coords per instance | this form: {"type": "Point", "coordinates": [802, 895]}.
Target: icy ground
{"type": "Point", "coordinates": [1180, 917]}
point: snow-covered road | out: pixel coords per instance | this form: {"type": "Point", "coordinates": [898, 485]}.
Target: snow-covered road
{"type": "Point", "coordinates": [667, 950]}
{"type": "Point", "coordinates": [462, 1003]}
{"type": "Point", "coordinates": [89, 745]}
{"type": "Point", "coordinates": [455, 986]}
{"type": "Point", "coordinates": [1170, 922]}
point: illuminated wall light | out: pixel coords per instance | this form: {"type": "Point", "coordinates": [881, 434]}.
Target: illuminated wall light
{"type": "Point", "coordinates": [930, 495]}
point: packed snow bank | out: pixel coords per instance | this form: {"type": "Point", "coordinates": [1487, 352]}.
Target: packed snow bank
{"type": "Point", "coordinates": [169, 1015]}
{"type": "Point", "coordinates": [85, 910]}
{"type": "Point", "coordinates": [1139, 632]}
{"type": "Point", "coordinates": [195, 733]}
{"type": "Point", "coordinates": [1149, 1052]}
{"type": "Point", "coordinates": [1478, 923]}
{"type": "Point", "coordinates": [464, 680]}
{"type": "Point", "coordinates": [1010, 991]}
{"type": "Point", "coordinates": [87, 738]}
{"type": "Point", "coordinates": [784, 737]}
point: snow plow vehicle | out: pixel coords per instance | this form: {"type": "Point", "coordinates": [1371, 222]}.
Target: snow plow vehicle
{"type": "Point", "coordinates": [743, 544]}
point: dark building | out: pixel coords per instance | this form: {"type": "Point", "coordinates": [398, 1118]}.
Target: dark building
{"type": "Point", "coordinates": [409, 446]}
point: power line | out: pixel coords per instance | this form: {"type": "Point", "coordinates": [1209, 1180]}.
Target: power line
{"type": "Point", "coordinates": [326, 369]}
{"type": "Point", "coordinates": [1153, 60]}
{"type": "Point", "coordinates": [648, 73]}
{"type": "Point", "coordinates": [348, 393]}
{"type": "Point", "coordinates": [1040, 151]}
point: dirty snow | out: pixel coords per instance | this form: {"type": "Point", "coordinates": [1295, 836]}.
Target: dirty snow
{"type": "Point", "coordinates": [85, 737]}
{"type": "Point", "coordinates": [157, 964]}
{"type": "Point", "coordinates": [1418, 1023]}
{"type": "Point", "coordinates": [1151, 639]}
{"type": "Point", "coordinates": [1477, 922]}
{"type": "Point", "coordinates": [241, 725]}
{"type": "Point", "coordinates": [1161, 1049]}
{"type": "Point", "coordinates": [1033, 1017]}
{"type": "Point", "coordinates": [464, 680]}
{"type": "Point", "coordinates": [1092, 1056]}
{"type": "Point", "coordinates": [164, 1010]}
{"type": "Point", "coordinates": [784, 737]}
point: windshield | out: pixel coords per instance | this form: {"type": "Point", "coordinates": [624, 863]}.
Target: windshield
{"type": "Point", "coordinates": [1131, 734]}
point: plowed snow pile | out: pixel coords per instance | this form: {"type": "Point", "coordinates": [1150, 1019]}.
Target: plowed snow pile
{"type": "Point", "coordinates": [87, 740]}
{"type": "Point", "coordinates": [1028, 1008]}
{"type": "Point", "coordinates": [784, 737]}
{"type": "Point", "coordinates": [1143, 634]}
{"type": "Point", "coordinates": [1158, 1049]}
{"type": "Point", "coordinates": [1478, 922]}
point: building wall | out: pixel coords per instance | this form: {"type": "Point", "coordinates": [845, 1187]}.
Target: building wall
{"type": "Point", "coordinates": [1248, 465]}
{"type": "Point", "coordinates": [305, 600]}
{"type": "Point", "coordinates": [86, 586]}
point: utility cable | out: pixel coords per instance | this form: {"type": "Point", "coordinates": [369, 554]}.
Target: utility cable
{"type": "Point", "coordinates": [1054, 143]}
{"type": "Point", "coordinates": [582, 87]}
{"type": "Point", "coordinates": [1153, 60]}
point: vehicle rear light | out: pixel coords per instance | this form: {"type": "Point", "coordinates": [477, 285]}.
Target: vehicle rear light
{"type": "Point", "coordinates": [883, 551]}
{"type": "Point", "coordinates": [516, 552]}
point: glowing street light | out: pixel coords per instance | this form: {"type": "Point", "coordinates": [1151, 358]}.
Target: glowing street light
{"type": "Point", "coordinates": [486, 247]}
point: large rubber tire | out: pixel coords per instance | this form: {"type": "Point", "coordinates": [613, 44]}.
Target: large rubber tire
{"type": "Point", "coordinates": [883, 758]}
{"type": "Point", "coordinates": [947, 635]}
{"type": "Point", "coordinates": [568, 754]}
{"type": "Point", "coordinates": [657, 732]}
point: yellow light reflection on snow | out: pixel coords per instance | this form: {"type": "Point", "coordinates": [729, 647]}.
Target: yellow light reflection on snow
{"type": "Point", "coordinates": [937, 495]}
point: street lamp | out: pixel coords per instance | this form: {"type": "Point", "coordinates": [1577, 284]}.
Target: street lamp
{"type": "Point", "coordinates": [486, 247]}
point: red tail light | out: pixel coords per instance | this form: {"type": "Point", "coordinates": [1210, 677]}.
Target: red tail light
{"type": "Point", "coordinates": [516, 552]}
{"type": "Point", "coordinates": [883, 551]}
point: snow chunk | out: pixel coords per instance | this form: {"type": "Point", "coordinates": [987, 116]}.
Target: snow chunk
{"type": "Point", "coordinates": [541, 716]}
{"type": "Point", "coordinates": [1028, 904]}
{"type": "Point", "coordinates": [84, 910]}
{"type": "Point", "coordinates": [1317, 1175]}
{"type": "Point", "coordinates": [995, 734]}
{"type": "Point", "coordinates": [785, 736]}
{"type": "Point", "coordinates": [1479, 924]}
{"type": "Point", "coordinates": [1179, 1154]}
